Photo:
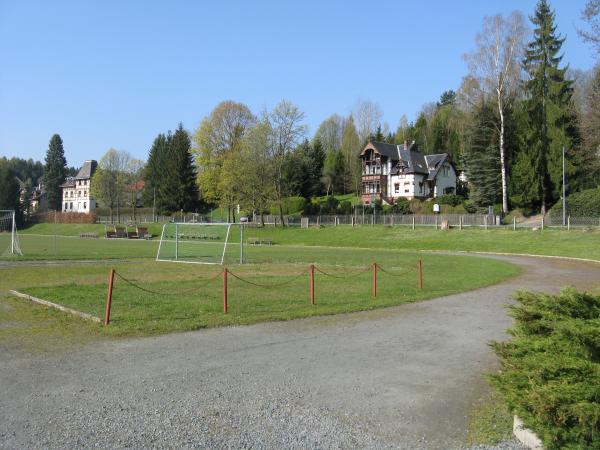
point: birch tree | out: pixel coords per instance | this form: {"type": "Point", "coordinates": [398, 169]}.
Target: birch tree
{"type": "Point", "coordinates": [367, 115]}
{"type": "Point", "coordinates": [495, 63]}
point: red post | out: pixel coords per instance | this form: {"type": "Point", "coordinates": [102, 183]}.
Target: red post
{"type": "Point", "coordinates": [420, 274]}
{"type": "Point", "coordinates": [111, 279]}
{"type": "Point", "coordinates": [312, 284]}
{"type": "Point", "coordinates": [374, 279]}
{"type": "Point", "coordinates": [225, 290]}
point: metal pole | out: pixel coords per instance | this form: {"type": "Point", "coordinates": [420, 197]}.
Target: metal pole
{"type": "Point", "coordinates": [111, 278]}
{"type": "Point", "coordinates": [176, 241]}
{"type": "Point", "coordinates": [420, 274]}
{"type": "Point", "coordinates": [13, 233]}
{"type": "Point", "coordinates": [225, 290]}
{"type": "Point", "coordinates": [564, 188]}
{"type": "Point", "coordinates": [312, 284]}
{"type": "Point", "coordinates": [514, 224]}
{"type": "Point", "coordinates": [242, 243]}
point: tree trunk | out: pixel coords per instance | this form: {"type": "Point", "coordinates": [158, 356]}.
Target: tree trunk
{"type": "Point", "coordinates": [502, 158]}
{"type": "Point", "coordinates": [281, 213]}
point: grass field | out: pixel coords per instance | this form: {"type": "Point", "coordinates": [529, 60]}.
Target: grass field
{"type": "Point", "coordinates": [47, 241]}
{"type": "Point", "coordinates": [190, 296]}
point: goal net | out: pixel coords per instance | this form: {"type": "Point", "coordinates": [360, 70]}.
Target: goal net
{"type": "Point", "coordinates": [9, 238]}
{"type": "Point", "coordinates": [201, 243]}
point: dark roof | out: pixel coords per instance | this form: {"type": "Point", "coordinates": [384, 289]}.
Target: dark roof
{"type": "Point", "coordinates": [434, 163]}
{"type": "Point", "coordinates": [407, 156]}
{"type": "Point", "coordinates": [87, 170]}
{"type": "Point", "coordinates": [69, 182]}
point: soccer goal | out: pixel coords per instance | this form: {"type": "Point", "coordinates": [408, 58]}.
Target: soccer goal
{"type": "Point", "coordinates": [9, 238]}
{"type": "Point", "coordinates": [202, 243]}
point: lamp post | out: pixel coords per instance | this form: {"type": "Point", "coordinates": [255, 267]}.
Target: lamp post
{"type": "Point", "coordinates": [564, 189]}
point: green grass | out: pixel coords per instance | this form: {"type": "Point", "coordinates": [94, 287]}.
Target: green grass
{"type": "Point", "coordinates": [552, 242]}
{"type": "Point", "coordinates": [490, 420]}
{"type": "Point", "coordinates": [136, 312]}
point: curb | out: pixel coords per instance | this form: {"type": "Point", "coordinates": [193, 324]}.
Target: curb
{"type": "Point", "coordinates": [56, 306]}
{"type": "Point", "coordinates": [529, 255]}
{"type": "Point", "coordinates": [525, 436]}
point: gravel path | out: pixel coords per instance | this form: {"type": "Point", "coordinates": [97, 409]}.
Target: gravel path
{"type": "Point", "coordinates": [402, 377]}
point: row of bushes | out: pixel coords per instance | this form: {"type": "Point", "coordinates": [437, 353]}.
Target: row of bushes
{"type": "Point", "coordinates": [580, 204]}
{"type": "Point", "coordinates": [550, 373]}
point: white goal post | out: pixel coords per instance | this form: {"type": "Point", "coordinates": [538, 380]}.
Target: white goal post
{"type": "Point", "coordinates": [9, 238]}
{"type": "Point", "coordinates": [202, 243]}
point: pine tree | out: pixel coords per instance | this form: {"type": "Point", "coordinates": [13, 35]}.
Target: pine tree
{"type": "Point", "coordinates": [9, 187]}
{"type": "Point", "coordinates": [55, 172]}
{"type": "Point", "coordinates": [316, 159]}
{"type": "Point", "coordinates": [481, 158]}
{"type": "Point", "coordinates": [550, 118]}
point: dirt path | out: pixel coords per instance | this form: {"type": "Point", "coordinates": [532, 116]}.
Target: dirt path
{"type": "Point", "coordinates": [402, 377]}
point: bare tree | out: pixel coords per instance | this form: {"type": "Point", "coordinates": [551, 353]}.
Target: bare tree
{"type": "Point", "coordinates": [331, 132]}
{"type": "Point", "coordinates": [287, 131]}
{"type": "Point", "coordinates": [108, 183]}
{"type": "Point", "coordinates": [367, 115]}
{"type": "Point", "coordinates": [496, 65]}
{"type": "Point", "coordinates": [591, 14]}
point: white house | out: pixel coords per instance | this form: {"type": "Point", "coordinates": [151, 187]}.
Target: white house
{"type": "Point", "coordinates": [392, 171]}
{"type": "Point", "coordinates": [76, 195]}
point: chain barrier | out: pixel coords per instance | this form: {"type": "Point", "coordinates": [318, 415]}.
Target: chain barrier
{"type": "Point", "coordinates": [343, 277]}
{"type": "Point", "coordinates": [399, 274]}
{"type": "Point", "coordinates": [150, 291]}
{"type": "Point", "coordinates": [270, 285]}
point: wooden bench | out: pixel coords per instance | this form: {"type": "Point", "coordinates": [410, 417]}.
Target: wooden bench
{"type": "Point", "coordinates": [267, 241]}
{"type": "Point", "coordinates": [111, 234]}
{"type": "Point", "coordinates": [142, 233]}
{"type": "Point", "coordinates": [253, 241]}
{"type": "Point", "coordinates": [88, 235]}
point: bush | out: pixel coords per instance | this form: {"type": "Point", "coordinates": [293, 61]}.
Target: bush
{"type": "Point", "coordinates": [581, 204]}
{"type": "Point", "coordinates": [402, 206]}
{"type": "Point", "coordinates": [345, 207]}
{"type": "Point", "coordinates": [330, 206]}
{"type": "Point", "coordinates": [450, 199]}
{"type": "Point", "coordinates": [551, 367]}
{"type": "Point", "coordinates": [290, 205]}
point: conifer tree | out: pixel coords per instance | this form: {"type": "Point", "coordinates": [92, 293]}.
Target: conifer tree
{"type": "Point", "coordinates": [481, 159]}
{"type": "Point", "coordinates": [55, 172]}
{"type": "Point", "coordinates": [550, 117]}
{"type": "Point", "coordinates": [155, 172]}
{"type": "Point", "coordinates": [183, 171]}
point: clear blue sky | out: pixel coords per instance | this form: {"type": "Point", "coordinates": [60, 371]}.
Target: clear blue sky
{"type": "Point", "coordinates": [116, 73]}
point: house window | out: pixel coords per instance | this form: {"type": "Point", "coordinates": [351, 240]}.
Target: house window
{"type": "Point", "coordinates": [406, 191]}
{"type": "Point", "coordinates": [71, 205]}
{"type": "Point", "coordinates": [78, 193]}
{"type": "Point", "coordinates": [407, 183]}
{"type": "Point", "coordinates": [84, 205]}
{"type": "Point", "coordinates": [66, 205]}
{"type": "Point", "coordinates": [397, 188]}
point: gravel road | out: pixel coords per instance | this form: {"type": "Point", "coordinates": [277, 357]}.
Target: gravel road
{"type": "Point", "coordinates": [401, 377]}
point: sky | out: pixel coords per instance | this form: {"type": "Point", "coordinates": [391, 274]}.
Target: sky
{"type": "Point", "coordinates": [114, 74]}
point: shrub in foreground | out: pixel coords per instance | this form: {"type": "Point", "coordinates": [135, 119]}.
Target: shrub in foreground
{"type": "Point", "coordinates": [550, 373]}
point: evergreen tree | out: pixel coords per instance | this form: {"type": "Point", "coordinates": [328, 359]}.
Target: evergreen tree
{"type": "Point", "coordinates": [350, 152]}
{"type": "Point", "coordinates": [55, 172]}
{"type": "Point", "coordinates": [315, 160]}
{"type": "Point", "coordinates": [155, 173]}
{"type": "Point", "coordinates": [550, 117]}
{"type": "Point", "coordinates": [183, 170]}
{"type": "Point", "coordinates": [481, 158]}
{"type": "Point", "coordinates": [9, 187]}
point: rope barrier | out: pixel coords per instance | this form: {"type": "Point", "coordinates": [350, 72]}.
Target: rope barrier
{"type": "Point", "coordinates": [270, 285]}
{"type": "Point", "coordinates": [150, 291]}
{"type": "Point", "coordinates": [342, 277]}
{"type": "Point", "coordinates": [393, 274]}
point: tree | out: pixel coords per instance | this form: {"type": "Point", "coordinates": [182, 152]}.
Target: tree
{"type": "Point", "coordinates": [495, 63]}
{"type": "Point", "coordinates": [591, 14]}
{"type": "Point", "coordinates": [550, 116]}
{"type": "Point", "coordinates": [135, 173]}
{"type": "Point", "coordinates": [287, 130]}
{"type": "Point", "coordinates": [367, 115]}
{"type": "Point", "coordinates": [9, 187]}
{"type": "Point", "coordinates": [333, 173]}
{"type": "Point", "coordinates": [110, 179]}
{"type": "Point", "coordinates": [589, 156]}
{"type": "Point", "coordinates": [351, 147]}
{"type": "Point", "coordinates": [219, 137]}
{"type": "Point", "coordinates": [55, 171]}
{"type": "Point", "coordinates": [481, 160]}
{"type": "Point", "coordinates": [180, 185]}
{"type": "Point", "coordinates": [331, 132]}
{"type": "Point", "coordinates": [155, 173]}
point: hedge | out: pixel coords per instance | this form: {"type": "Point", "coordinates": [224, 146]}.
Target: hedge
{"type": "Point", "coordinates": [550, 370]}
{"type": "Point", "coordinates": [580, 204]}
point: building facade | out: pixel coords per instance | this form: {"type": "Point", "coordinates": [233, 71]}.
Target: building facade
{"type": "Point", "coordinates": [392, 171]}
{"type": "Point", "coordinates": [76, 196]}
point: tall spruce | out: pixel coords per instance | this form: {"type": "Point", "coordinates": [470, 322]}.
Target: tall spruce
{"type": "Point", "coordinates": [550, 116]}
{"type": "Point", "coordinates": [55, 171]}
{"type": "Point", "coordinates": [155, 173]}
{"type": "Point", "coordinates": [182, 166]}
{"type": "Point", "coordinates": [481, 159]}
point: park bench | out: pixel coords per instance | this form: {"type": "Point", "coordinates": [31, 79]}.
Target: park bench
{"type": "Point", "coordinates": [253, 241]}
{"type": "Point", "coordinates": [121, 232]}
{"type": "Point", "coordinates": [142, 233]}
{"type": "Point", "coordinates": [88, 235]}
